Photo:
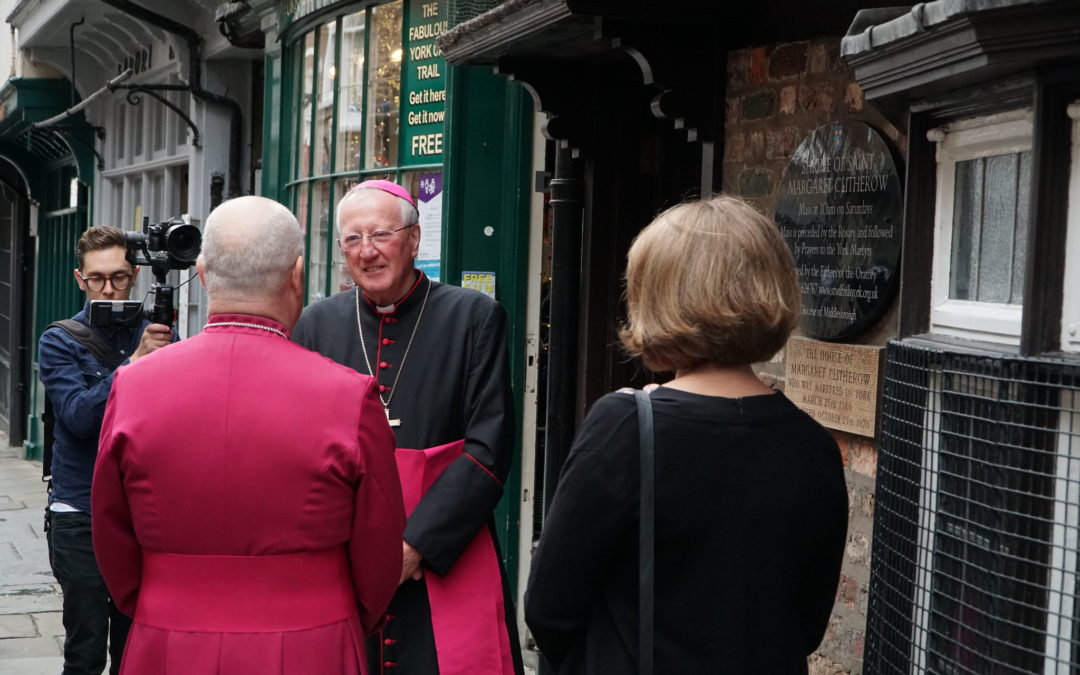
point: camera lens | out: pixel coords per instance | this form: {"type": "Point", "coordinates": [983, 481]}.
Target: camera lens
{"type": "Point", "coordinates": [183, 242]}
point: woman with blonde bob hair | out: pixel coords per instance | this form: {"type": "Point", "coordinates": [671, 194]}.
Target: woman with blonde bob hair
{"type": "Point", "coordinates": [750, 499]}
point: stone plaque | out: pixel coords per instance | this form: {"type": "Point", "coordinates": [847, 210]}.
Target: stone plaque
{"type": "Point", "coordinates": [840, 210]}
{"type": "Point", "coordinates": [836, 384]}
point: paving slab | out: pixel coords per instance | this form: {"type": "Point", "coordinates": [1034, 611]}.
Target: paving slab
{"type": "Point", "coordinates": [15, 648]}
{"type": "Point", "coordinates": [30, 598]}
{"type": "Point", "coordinates": [17, 626]}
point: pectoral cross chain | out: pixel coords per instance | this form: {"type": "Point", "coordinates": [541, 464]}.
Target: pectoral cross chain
{"type": "Point", "coordinates": [393, 423]}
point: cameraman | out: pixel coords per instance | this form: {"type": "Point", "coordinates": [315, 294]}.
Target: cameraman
{"type": "Point", "coordinates": [78, 386]}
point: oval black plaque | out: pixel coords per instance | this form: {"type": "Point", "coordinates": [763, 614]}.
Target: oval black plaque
{"type": "Point", "coordinates": [840, 211]}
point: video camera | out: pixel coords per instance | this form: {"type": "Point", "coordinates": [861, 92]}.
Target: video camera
{"type": "Point", "coordinates": [168, 245]}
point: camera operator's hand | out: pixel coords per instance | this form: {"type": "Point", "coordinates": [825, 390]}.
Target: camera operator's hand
{"type": "Point", "coordinates": [154, 337]}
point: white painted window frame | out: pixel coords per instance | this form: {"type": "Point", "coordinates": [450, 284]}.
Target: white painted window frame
{"type": "Point", "coordinates": [1070, 310]}
{"type": "Point", "coordinates": [1003, 133]}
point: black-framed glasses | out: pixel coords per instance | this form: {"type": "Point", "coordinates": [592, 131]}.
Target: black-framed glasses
{"type": "Point", "coordinates": [378, 238]}
{"type": "Point", "coordinates": [96, 282]}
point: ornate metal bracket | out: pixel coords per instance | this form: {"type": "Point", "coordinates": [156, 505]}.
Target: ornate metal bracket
{"type": "Point", "coordinates": [134, 99]}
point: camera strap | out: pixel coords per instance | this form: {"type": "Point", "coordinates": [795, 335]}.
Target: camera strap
{"type": "Point", "coordinates": [89, 338]}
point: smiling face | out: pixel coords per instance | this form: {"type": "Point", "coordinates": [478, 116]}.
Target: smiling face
{"type": "Point", "coordinates": [384, 271]}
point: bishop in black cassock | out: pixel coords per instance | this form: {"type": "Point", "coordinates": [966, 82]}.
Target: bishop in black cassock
{"type": "Point", "coordinates": [439, 354]}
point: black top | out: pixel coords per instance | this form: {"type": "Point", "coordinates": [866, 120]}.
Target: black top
{"type": "Point", "coordinates": [453, 383]}
{"type": "Point", "coordinates": [751, 521]}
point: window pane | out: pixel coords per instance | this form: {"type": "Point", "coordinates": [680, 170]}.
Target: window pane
{"type": "Point", "coordinates": [180, 100]}
{"type": "Point", "coordinates": [119, 129]}
{"type": "Point", "coordinates": [384, 86]}
{"type": "Point", "coordinates": [342, 280]}
{"type": "Point", "coordinates": [351, 96]}
{"type": "Point", "coordinates": [966, 216]}
{"type": "Point", "coordinates": [158, 117]}
{"type": "Point", "coordinates": [324, 97]}
{"type": "Point", "coordinates": [307, 69]}
{"type": "Point", "coordinates": [137, 113]}
{"type": "Point", "coordinates": [998, 229]}
{"type": "Point", "coordinates": [1023, 192]}
{"type": "Point", "coordinates": [320, 232]}
{"type": "Point", "coordinates": [990, 228]}
{"type": "Point", "coordinates": [299, 199]}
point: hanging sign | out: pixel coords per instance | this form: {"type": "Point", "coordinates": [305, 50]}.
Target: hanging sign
{"type": "Point", "coordinates": [423, 84]}
{"type": "Point", "coordinates": [840, 210]}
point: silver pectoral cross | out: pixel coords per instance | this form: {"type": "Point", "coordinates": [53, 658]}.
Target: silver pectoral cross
{"type": "Point", "coordinates": [393, 423]}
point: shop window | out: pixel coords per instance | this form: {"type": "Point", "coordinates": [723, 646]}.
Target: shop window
{"type": "Point", "coordinates": [350, 118]}
{"type": "Point", "coordinates": [324, 98]}
{"type": "Point", "coordinates": [346, 119]}
{"type": "Point", "coordinates": [384, 86]}
{"type": "Point", "coordinates": [321, 234]}
{"type": "Point", "coordinates": [984, 184]}
{"type": "Point", "coordinates": [1070, 315]}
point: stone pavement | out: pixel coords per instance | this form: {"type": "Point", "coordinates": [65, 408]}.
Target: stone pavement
{"type": "Point", "coordinates": [31, 632]}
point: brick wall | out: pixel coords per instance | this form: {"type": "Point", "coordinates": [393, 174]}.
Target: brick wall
{"type": "Point", "coordinates": [777, 95]}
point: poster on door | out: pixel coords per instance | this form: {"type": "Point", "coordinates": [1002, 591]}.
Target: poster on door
{"type": "Point", "coordinates": [429, 202]}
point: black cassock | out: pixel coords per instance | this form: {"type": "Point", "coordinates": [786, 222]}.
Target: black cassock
{"type": "Point", "coordinates": [445, 378]}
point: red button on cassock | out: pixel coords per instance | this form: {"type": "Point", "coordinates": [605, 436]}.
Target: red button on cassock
{"type": "Point", "coordinates": [384, 364]}
{"type": "Point", "coordinates": [388, 664]}
{"type": "Point", "coordinates": [383, 387]}
{"type": "Point", "coordinates": [387, 341]}
{"type": "Point", "coordinates": [388, 641]}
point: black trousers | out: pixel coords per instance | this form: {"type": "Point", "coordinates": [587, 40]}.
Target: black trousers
{"type": "Point", "coordinates": [91, 620]}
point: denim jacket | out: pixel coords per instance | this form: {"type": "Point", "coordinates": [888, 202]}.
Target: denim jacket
{"type": "Point", "coordinates": [78, 387]}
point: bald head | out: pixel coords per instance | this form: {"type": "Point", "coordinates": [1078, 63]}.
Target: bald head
{"type": "Point", "coordinates": [250, 246]}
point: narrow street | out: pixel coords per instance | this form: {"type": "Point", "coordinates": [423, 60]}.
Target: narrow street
{"type": "Point", "coordinates": [31, 633]}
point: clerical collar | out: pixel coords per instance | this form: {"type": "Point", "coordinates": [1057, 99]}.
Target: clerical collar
{"type": "Point", "coordinates": [410, 298]}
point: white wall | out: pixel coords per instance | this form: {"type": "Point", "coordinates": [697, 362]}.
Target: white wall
{"type": "Point", "coordinates": [6, 46]}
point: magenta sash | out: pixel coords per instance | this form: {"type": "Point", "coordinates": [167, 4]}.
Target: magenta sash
{"type": "Point", "coordinates": [250, 594]}
{"type": "Point", "coordinates": [468, 617]}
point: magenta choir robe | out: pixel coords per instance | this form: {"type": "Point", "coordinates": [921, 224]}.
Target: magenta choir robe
{"type": "Point", "coordinates": [246, 507]}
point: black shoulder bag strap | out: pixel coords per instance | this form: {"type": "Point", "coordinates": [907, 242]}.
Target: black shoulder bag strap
{"type": "Point", "coordinates": [105, 355]}
{"type": "Point", "coordinates": [102, 350]}
{"type": "Point", "coordinates": [647, 534]}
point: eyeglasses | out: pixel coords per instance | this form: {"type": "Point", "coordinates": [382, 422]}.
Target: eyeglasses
{"type": "Point", "coordinates": [95, 282]}
{"type": "Point", "coordinates": [377, 238]}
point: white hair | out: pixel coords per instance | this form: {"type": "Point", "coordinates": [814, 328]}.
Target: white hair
{"type": "Point", "coordinates": [250, 245]}
{"type": "Point", "coordinates": [409, 214]}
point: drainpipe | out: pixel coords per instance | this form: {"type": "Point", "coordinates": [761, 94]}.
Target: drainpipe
{"type": "Point", "coordinates": [567, 221]}
{"type": "Point", "coordinates": [195, 45]}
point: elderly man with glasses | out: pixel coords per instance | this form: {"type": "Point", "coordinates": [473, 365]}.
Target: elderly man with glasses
{"type": "Point", "coordinates": [440, 357]}
{"type": "Point", "coordinates": [77, 385]}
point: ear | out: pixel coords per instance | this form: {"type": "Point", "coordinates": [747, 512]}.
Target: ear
{"type": "Point", "coordinates": [416, 240]}
{"type": "Point", "coordinates": [198, 268]}
{"type": "Point", "coordinates": [296, 278]}
{"type": "Point", "coordinates": [79, 281]}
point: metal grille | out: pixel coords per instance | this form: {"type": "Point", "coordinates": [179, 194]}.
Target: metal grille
{"type": "Point", "coordinates": [463, 10]}
{"type": "Point", "coordinates": [975, 566]}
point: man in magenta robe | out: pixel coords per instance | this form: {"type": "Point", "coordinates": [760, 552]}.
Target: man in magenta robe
{"type": "Point", "coordinates": [247, 509]}
{"type": "Point", "coordinates": [439, 354]}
